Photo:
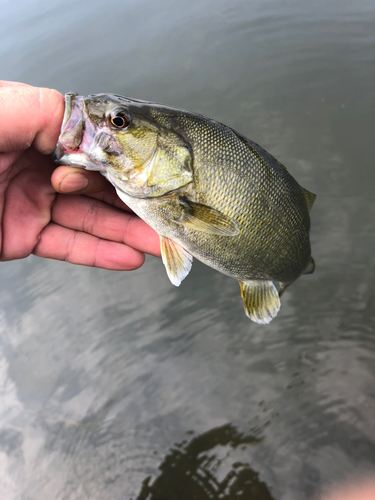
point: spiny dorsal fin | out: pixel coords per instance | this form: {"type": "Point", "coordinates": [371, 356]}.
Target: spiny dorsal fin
{"type": "Point", "coordinates": [207, 219]}
{"type": "Point", "coordinates": [260, 299]}
{"type": "Point", "coordinates": [176, 259]}
{"type": "Point", "coordinates": [309, 197]}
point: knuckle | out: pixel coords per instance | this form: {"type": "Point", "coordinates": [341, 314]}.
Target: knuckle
{"type": "Point", "coordinates": [91, 217]}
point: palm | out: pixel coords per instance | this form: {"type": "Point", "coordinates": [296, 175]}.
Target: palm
{"type": "Point", "coordinates": [26, 201]}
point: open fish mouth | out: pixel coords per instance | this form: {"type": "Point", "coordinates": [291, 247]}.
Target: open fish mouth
{"type": "Point", "coordinates": [72, 128]}
{"type": "Point", "coordinates": [78, 136]}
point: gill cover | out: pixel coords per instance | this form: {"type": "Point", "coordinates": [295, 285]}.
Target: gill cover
{"type": "Point", "coordinates": [167, 169]}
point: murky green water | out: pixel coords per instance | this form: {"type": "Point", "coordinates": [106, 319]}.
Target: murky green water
{"type": "Point", "coordinates": [120, 386]}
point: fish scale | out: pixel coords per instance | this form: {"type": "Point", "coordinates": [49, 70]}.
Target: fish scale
{"type": "Point", "coordinates": [218, 147]}
{"type": "Point", "coordinates": [213, 186]}
{"type": "Point", "coordinates": [209, 192]}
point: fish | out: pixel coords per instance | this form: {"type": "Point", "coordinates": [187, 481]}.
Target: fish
{"type": "Point", "coordinates": [208, 191]}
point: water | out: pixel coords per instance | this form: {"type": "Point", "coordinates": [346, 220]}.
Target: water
{"type": "Point", "coordinates": [118, 385]}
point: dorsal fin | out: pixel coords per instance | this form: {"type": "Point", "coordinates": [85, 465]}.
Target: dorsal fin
{"type": "Point", "coordinates": [309, 197]}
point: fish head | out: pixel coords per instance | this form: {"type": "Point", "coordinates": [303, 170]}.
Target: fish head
{"type": "Point", "coordinates": [120, 138]}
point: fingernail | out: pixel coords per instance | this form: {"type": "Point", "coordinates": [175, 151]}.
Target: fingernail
{"type": "Point", "coordinates": [73, 182]}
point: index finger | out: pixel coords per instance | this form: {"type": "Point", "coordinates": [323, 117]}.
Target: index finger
{"type": "Point", "coordinates": [29, 116]}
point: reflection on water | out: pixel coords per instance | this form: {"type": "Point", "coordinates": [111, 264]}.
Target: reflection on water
{"type": "Point", "coordinates": [204, 469]}
{"type": "Point", "coordinates": [101, 372]}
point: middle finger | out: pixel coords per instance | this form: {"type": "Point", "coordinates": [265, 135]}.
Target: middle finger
{"type": "Point", "coordinates": [95, 217]}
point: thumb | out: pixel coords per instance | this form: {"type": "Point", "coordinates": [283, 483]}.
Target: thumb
{"type": "Point", "coordinates": [29, 116]}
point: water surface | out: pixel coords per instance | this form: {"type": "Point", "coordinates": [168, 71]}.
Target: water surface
{"type": "Point", "coordinates": [118, 385]}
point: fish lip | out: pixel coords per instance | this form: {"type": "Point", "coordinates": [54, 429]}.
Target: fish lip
{"type": "Point", "coordinates": [69, 96]}
{"type": "Point", "coordinates": [81, 160]}
{"type": "Point", "coordinates": [57, 154]}
{"type": "Point", "coordinates": [72, 127]}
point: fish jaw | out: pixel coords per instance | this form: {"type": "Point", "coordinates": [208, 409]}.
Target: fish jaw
{"type": "Point", "coordinates": [80, 143]}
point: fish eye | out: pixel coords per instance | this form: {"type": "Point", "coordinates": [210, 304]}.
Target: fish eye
{"type": "Point", "coordinates": [118, 121]}
{"type": "Point", "coordinates": [119, 118]}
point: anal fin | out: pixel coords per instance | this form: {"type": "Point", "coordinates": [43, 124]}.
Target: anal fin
{"type": "Point", "coordinates": [176, 259]}
{"type": "Point", "coordinates": [260, 299]}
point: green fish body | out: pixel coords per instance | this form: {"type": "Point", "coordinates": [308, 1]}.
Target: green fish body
{"type": "Point", "coordinates": [209, 192]}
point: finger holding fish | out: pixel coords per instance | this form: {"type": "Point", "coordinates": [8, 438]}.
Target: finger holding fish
{"type": "Point", "coordinates": [97, 218]}
{"type": "Point", "coordinates": [67, 179]}
{"type": "Point", "coordinates": [77, 247]}
{"type": "Point", "coordinates": [101, 212]}
{"type": "Point", "coordinates": [87, 231]}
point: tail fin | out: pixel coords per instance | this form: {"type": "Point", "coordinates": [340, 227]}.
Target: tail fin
{"type": "Point", "coordinates": [310, 267]}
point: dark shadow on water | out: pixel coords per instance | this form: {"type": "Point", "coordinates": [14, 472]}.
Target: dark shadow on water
{"type": "Point", "coordinates": [190, 471]}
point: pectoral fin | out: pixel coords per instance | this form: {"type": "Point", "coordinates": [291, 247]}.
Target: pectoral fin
{"type": "Point", "coordinates": [176, 259]}
{"type": "Point", "coordinates": [209, 220]}
{"type": "Point", "coordinates": [260, 299]}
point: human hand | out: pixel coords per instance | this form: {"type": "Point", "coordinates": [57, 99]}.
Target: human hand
{"type": "Point", "coordinates": [360, 490]}
{"type": "Point", "coordinates": [91, 227]}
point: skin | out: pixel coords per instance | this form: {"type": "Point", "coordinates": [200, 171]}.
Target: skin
{"type": "Point", "coordinates": [74, 215]}
{"type": "Point", "coordinates": [364, 490]}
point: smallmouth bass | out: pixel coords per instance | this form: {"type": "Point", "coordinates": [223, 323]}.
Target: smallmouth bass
{"type": "Point", "coordinates": [208, 192]}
